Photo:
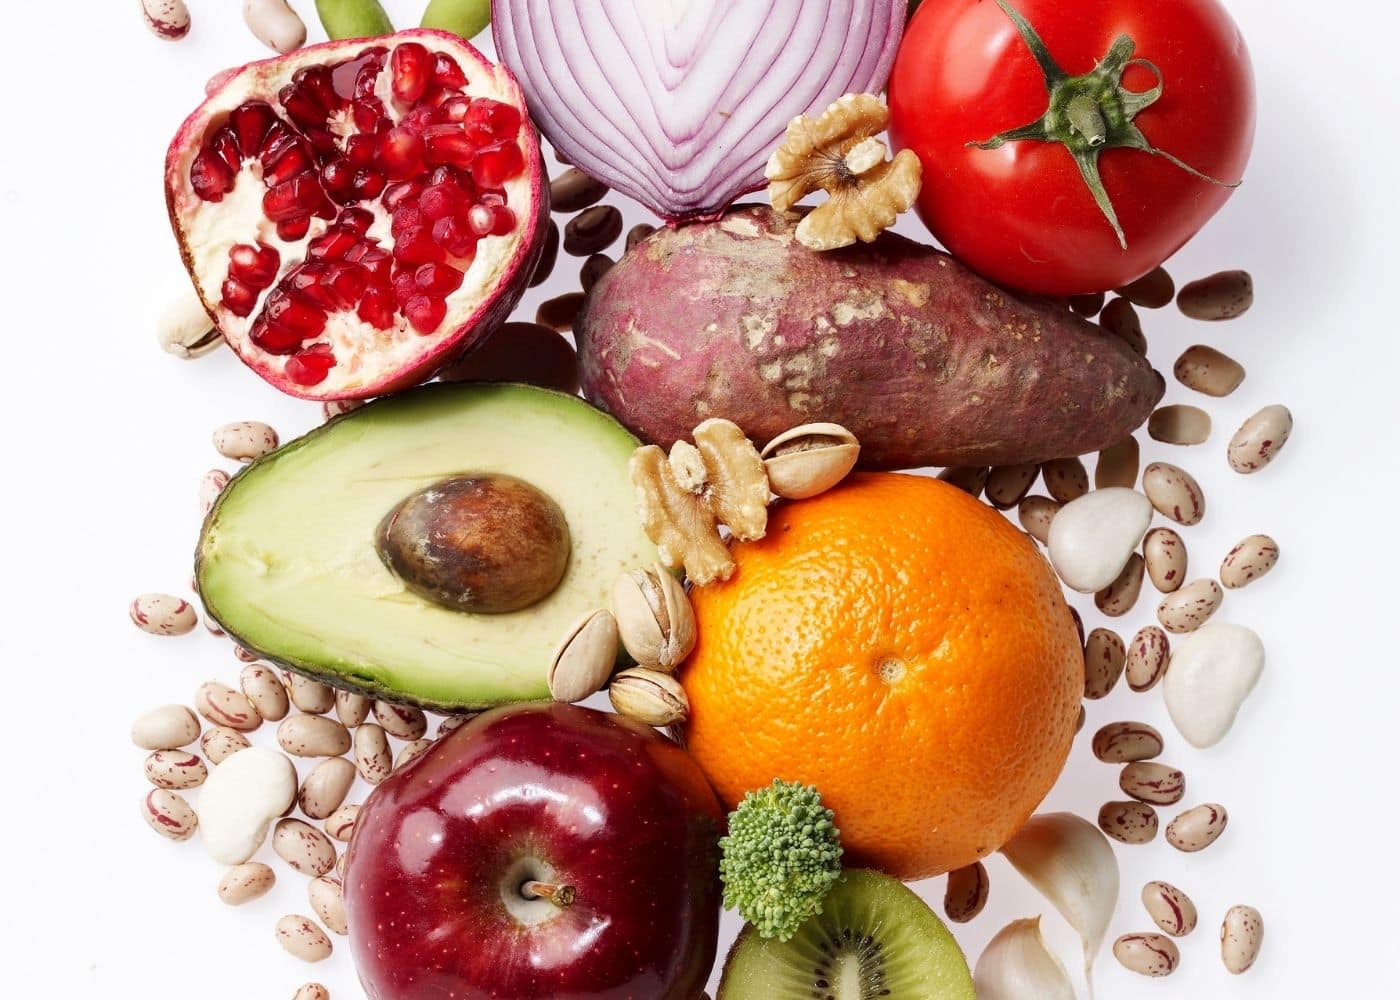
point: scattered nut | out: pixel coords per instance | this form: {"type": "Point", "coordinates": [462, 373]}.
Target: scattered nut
{"type": "Point", "coordinates": [1153, 290]}
{"type": "Point", "coordinates": [1208, 371]}
{"type": "Point", "coordinates": [966, 893]}
{"type": "Point", "coordinates": [352, 708]}
{"type": "Point", "coordinates": [264, 691]}
{"type": "Point", "coordinates": [1120, 596]}
{"type": "Point", "coordinates": [223, 706]}
{"type": "Point", "coordinates": [325, 788]}
{"type": "Point", "coordinates": [328, 902]}
{"type": "Point", "coordinates": [1179, 424]}
{"type": "Point", "coordinates": [1148, 781]}
{"type": "Point", "coordinates": [1128, 822]}
{"type": "Point", "coordinates": [1126, 742]}
{"type": "Point", "coordinates": [245, 440]}
{"type": "Point", "coordinates": [1248, 561]}
{"type": "Point", "coordinates": [313, 736]}
{"type": "Point", "coordinates": [1197, 828]}
{"type": "Point", "coordinates": [175, 769]}
{"type": "Point", "coordinates": [592, 230]}
{"type": "Point", "coordinates": [1103, 663]}
{"type": "Point", "coordinates": [1170, 908]}
{"type": "Point", "coordinates": [301, 938]}
{"type": "Point", "coordinates": [1241, 936]}
{"type": "Point", "coordinates": [654, 618]}
{"type": "Point", "coordinates": [308, 694]}
{"type": "Point", "coordinates": [166, 728]}
{"type": "Point", "coordinates": [1166, 558]}
{"type": "Point", "coordinates": [305, 849]}
{"type": "Point", "coordinates": [402, 721]}
{"type": "Point", "coordinates": [1065, 478]}
{"type": "Point", "coordinates": [341, 823]}
{"type": "Point", "coordinates": [168, 814]}
{"type": "Point", "coordinates": [219, 743]}
{"type": "Point", "coordinates": [163, 614]}
{"type": "Point", "coordinates": [372, 758]}
{"type": "Point", "coordinates": [246, 882]}
{"type": "Point", "coordinates": [1223, 295]}
{"type": "Point", "coordinates": [1036, 513]}
{"type": "Point", "coordinates": [1148, 655]}
{"type": "Point", "coordinates": [167, 19]}
{"type": "Point", "coordinates": [1260, 439]}
{"type": "Point", "coordinates": [585, 657]}
{"type": "Point", "coordinates": [1190, 607]}
{"type": "Point", "coordinates": [1174, 493]}
{"type": "Point", "coordinates": [649, 696]}
{"type": "Point", "coordinates": [1147, 954]}
{"type": "Point", "coordinates": [275, 24]}
{"type": "Point", "coordinates": [573, 191]}
{"type": "Point", "coordinates": [1120, 319]}
{"type": "Point", "coordinates": [1117, 465]}
{"type": "Point", "coordinates": [837, 152]}
{"type": "Point", "coordinates": [1008, 484]}
{"type": "Point", "coordinates": [810, 459]}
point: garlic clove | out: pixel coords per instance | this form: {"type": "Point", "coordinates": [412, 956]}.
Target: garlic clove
{"type": "Point", "coordinates": [1016, 965]}
{"type": "Point", "coordinates": [1070, 862]}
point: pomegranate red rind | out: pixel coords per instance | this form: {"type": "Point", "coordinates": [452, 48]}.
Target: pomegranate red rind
{"type": "Point", "coordinates": [356, 214]}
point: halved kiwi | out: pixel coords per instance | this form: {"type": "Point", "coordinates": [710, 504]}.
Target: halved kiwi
{"type": "Point", "coordinates": [873, 940]}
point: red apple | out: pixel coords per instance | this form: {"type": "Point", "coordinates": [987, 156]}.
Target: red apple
{"type": "Point", "coordinates": [540, 851]}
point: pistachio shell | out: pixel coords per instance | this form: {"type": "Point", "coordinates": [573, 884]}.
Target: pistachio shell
{"type": "Point", "coordinates": [649, 696]}
{"type": "Point", "coordinates": [809, 459]}
{"type": "Point", "coordinates": [584, 658]}
{"type": "Point", "coordinates": [654, 618]}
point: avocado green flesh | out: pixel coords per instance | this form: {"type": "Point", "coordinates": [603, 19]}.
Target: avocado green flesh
{"type": "Point", "coordinates": [874, 938]}
{"type": "Point", "coordinates": [287, 561]}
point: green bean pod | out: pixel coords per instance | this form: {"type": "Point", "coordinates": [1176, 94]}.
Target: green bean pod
{"type": "Point", "coordinates": [467, 18]}
{"type": "Point", "coordinates": [354, 18]}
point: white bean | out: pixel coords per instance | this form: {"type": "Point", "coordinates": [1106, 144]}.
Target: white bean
{"type": "Point", "coordinates": [241, 799]}
{"type": "Point", "coordinates": [275, 24]}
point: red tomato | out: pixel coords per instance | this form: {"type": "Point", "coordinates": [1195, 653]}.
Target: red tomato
{"type": "Point", "coordinates": [1022, 214]}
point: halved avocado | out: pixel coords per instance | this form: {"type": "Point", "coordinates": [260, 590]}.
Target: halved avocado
{"type": "Point", "coordinates": [288, 564]}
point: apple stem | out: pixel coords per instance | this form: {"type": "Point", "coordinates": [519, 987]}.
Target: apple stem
{"type": "Point", "coordinates": [560, 895]}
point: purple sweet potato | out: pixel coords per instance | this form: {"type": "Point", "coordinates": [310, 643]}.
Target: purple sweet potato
{"type": "Point", "coordinates": [925, 362]}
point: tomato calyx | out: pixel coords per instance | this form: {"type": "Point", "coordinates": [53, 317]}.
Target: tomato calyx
{"type": "Point", "coordinates": [1090, 113]}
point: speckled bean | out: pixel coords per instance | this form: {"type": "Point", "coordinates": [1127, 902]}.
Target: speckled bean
{"type": "Point", "coordinates": [305, 849]}
{"type": "Point", "coordinates": [1223, 295]}
{"type": "Point", "coordinates": [1241, 936]}
{"type": "Point", "coordinates": [1120, 596]}
{"type": "Point", "coordinates": [1260, 439]}
{"type": "Point", "coordinates": [1248, 561]}
{"type": "Point", "coordinates": [1154, 955]}
{"type": "Point", "coordinates": [301, 938]}
{"type": "Point", "coordinates": [265, 691]}
{"type": "Point", "coordinates": [549, 255]}
{"type": "Point", "coordinates": [1208, 371]}
{"type": "Point", "coordinates": [592, 230]}
{"type": "Point", "coordinates": [573, 191]}
{"type": "Point", "coordinates": [275, 24]}
{"type": "Point", "coordinates": [312, 991]}
{"type": "Point", "coordinates": [1128, 822]}
{"type": "Point", "coordinates": [176, 769]}
{"type": "Point", "coordinates": [313, 736]}
{"type": "Point", "coordinates": [308, 694]}
{"type": "Point", "coordinates": [333, 408]}
{"type": "Point", "coordinates": [168, 727]}
{"type": "Point", "coordinates": [1121, 320]}
{"type": "Point", "coordinates": [1170, 908]}
{"type": "Point", "coordinates": [451, 724]}
{"type": "Point", "coordinates": [210, 486]}
{"type": "Point", "coordinates": [167, 19]}
{"type": "Point", "coordinates": [244, 655]}
{"type": "Point", "coordinates": [1191, 606]}
{"type": "Point", "coordinates": [352, 708]}
{"type": "Point", "coordinates": [593, 268]}
{"type": "Point", "coordinates": [402, 721]}
{"type": "Point", "coordinates": [1103, 663]}
{"type": "Point", "coordinates": [1197, 828]}
{"type": "Point", "coordinates": [325, 788]}
{"type": "Point", "coordinates": [1179, 424]}
{"type": "Point", "coordinates": [341, 823]}
{"type": "Point", "coordinates": [411, 752]}
{"type": "Point", "coordinates": [966, 892]}
{"type": "Point", "coordinates": [1148, 655]}
{"type": "Point", "coordinates": [162, 614]}
{"type": "Point", "coordinates": [1166, 557]}
{"type": "Point", "coordinates": [245, 440]}
{"type": "Point", "coordinates": [340, 866]}
{"type": "Point", "coordinates": [1149, 781]}
{"type": "Point", "coordinates": [1118, 465]}
{"type": "Point", "coordinates": [1008, 484]}
{"type": "Point", "coordinates": [1088, 305]}
{"type": "Point", "coordinates": [638, 233]}
{"type": "Point", "coordinates": [328, 902]}
{"type": "Point", "coordinates": [223, 706]}
{"type": "Point", "coordinates": [168, 814]}
{"type": "Point", "coordinates": [246, 882]}
{"type": "Point", "coordinates": [1153, 290]}
{"type": "Point", "coordinates": [372, 753]}
{"type": "Point", "coordinates": [1174, 492]}
{"type": "Point", "coordinates": [1036, 513]}
{"type": "Point", "coordinates": [971, 479]}
{"type": "Point", "coordinates": [1126, 742]}
{"type": "Point", "coordinates": [560, 312]}
{"type": "Point", "coordinates": [1065, 478]}
{"type": "Point", "coordinates": [219, 743]}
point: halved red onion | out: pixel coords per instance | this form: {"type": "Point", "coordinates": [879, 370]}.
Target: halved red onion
{"type": "Point", "coordinates": [678, 104]}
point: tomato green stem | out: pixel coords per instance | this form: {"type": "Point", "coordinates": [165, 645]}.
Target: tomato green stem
{"type": "Point", "coordinates": [1090, 113]}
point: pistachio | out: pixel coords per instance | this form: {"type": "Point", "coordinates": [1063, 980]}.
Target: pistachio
{"type": "Point", "coordinates": [654, 618]}
{"type": "Point", "coordinates": [1126, 742]}
{"type": "Point", "coordinates": [1148, 781]}
{"type": "Point", "coordinates": [585, 657]}
{"type": "Point", "coordinates": [185, 329]}
{"type": "Point", "coordinates": [1248, 561]}
{"type": "Point", "coordinates": [1147, 954]}
{"type": "Point", "coordinates": [1241, 935]}
{"type": "Point", "coordinates": [1197, 828]}
{"type": "Point", "coordinates": [649, 696]}
{"type": "Point", "coordinates": [1170, 908]}
{"type": "Point", "coordinates": [810, 459]}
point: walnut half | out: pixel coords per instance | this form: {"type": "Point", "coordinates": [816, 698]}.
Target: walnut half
{"type": "Point", "coordinates": [684, 498]}
{"type": "Point", "coordinates": [838, 152]}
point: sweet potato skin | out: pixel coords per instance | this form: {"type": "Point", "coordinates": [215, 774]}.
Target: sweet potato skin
{"type": "Point", "coordinates": [925, 362]}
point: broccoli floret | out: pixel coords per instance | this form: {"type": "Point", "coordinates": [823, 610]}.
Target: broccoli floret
{"type": "Point", "coordinates": [782, 855]}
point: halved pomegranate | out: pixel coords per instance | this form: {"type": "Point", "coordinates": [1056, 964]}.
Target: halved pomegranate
{"type": "Point", "coordinates": [356, 214]}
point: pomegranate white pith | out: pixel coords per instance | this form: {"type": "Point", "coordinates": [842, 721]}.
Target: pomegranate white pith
{"type": "Point", "coordinates": [357, 213]}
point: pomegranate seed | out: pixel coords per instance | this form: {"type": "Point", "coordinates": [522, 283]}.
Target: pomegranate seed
{"type": "Point", "coordinates": [449, 144]}
{"type": "Point", "coordinates": [396, 194]}
{"type": "Point", "coordinates": [225, 144]}
{"type": "Point", "coordinates": [295, 315]}
{"type": "Point", "coordinates": [412, 69]}
{"type": "Point", "coordinates": [338, 178]}
{"type": "Point", "coordinates": [346, 283]}
{"type": "Point", "coordinates": [481, 219]}
{"type": "Point", "coordinates": [311, 366]}
{"type": "Point", "coordinates": [367, 112]}
{"type": "Point", "coordinates": [495, 165]}
{"type": "Point", "coordinates": [404, 287]}
{"type": "Point", "coordinates": [308, 282]}
{"type": "Point", "coordinates": [253, 265]}
{"type": "Point", "coordinates": [274, 339]}
{"type": "Point", "coordinates": [284, 155]}
{"type": "Point", "coordinates": [423, 116]}
{"type": "Point", "coordinates": [376, 308]}
{"type": "Point", "coordinates": [401, 153]}
{"type": "Point", "coordinates": [376, 262]}
{"type": "Point", "coordinates": [323, 142]}
{"type": "Point", "coordinates": [356, 220]}
{"type": "Point", "coordinates": [250, 122]}
{"type": "Point", "coordinates": [238, 298]}
{"type": "Point", "coordinates": [502, 220]}
{"type": "Point", "coordinates": [455, 236]}
{"type": "Point", "coordinates": [439, 200]}
{"type": "Point", "coordinates": [299, 196]}
{"type": "Point", "coordinates": [446, 72]}
{"type": "Point", "coordinates": [368, 184]}
{"type": "Point", "coordinates": [210, 176]}
{"type": "Point", "coordinates": [501, 121]}
{"type": "Point", "coordinates": [417, 247]}
{"type": "Point", "coordinates": [333, 244]}
{"type": "Point", "coordinates": [302, 106]}
{"type": "Point", "coordinates": [292, 230]}
{"type": "Point", "coordinates": [367, 78]}
{"type": "Point", "coordinates": [437, 279]}
{"type": "Point", "coordinates": [406, 218]}
{"type": "Point", "coordinates": [359, 150]}
{"type": "Point", "coordinates": [317, 81]}
{"type": "Point", "coordinates": [425, 314]}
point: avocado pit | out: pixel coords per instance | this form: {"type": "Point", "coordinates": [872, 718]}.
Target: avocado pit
{"type": "Point", "coordinates": [484, 543]}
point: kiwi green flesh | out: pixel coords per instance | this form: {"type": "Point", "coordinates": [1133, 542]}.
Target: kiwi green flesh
{"type": "Point", "coordinates": [873, 939]}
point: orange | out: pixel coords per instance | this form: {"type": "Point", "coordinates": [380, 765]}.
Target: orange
{"type": "Point", "coordinates": [902, 647]}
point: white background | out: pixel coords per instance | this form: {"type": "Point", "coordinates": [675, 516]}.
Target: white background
{"type": "Point", "coordinates": [106, 439]}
